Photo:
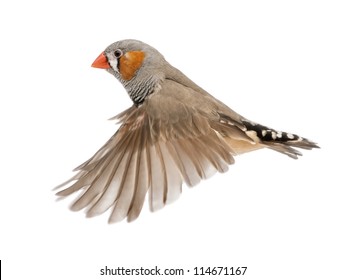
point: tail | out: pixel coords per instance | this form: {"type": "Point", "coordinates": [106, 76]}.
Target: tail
{"type": "Point", "coordinates": [282, 142]}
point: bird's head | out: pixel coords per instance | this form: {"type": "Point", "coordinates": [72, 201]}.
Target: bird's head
{"type": "Point", "coordinates": [138, 66]}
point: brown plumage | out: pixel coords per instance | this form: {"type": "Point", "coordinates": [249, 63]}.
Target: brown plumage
{"type": "Point", "coordinates": [174, 133]}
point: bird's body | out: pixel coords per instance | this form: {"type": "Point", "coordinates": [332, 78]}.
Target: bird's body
{"type": "Point", "coordinates": [175, 132]}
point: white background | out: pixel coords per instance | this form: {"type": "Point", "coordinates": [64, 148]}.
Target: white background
{"type": "Point", "coordinates": [280, 63]}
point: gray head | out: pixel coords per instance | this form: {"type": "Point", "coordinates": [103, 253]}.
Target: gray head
{"type": "Point", "coordinates": [138, 66]}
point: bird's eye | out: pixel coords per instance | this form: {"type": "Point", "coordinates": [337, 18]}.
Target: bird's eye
{"type": "Point", "coordinates": [118, 53]}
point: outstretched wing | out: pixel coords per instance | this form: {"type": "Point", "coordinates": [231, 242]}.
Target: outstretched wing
{"type": "Point", "coordinates": [168, 140]}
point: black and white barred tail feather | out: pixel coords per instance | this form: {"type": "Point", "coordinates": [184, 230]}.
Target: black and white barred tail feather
{"type": "Point", "coordinates": [279, 141]}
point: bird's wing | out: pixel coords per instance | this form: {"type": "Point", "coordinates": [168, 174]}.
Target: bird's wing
{"type": "Point", "coordinates": [173, 137]}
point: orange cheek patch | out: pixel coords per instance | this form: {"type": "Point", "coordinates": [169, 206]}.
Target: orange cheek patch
{"type": "Point", "coordinates": [130, 63]}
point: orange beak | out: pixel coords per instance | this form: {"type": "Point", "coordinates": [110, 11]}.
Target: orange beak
{"type": "Point", "coordinates": [101, 62]}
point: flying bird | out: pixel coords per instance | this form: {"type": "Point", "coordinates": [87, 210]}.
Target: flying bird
{"type": "Point", "coordinates": [174, 133]}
